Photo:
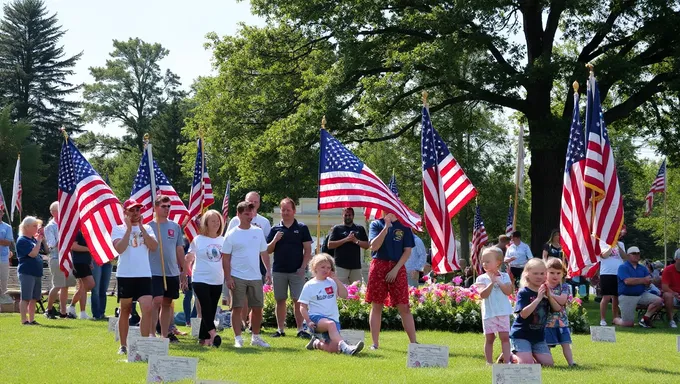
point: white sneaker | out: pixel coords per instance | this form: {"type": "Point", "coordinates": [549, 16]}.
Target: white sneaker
{"type": "Point", "coordinates": [71, 310]}
{"type": "Point", "coordinates": [603, 323]}
{"type": "Point", "coordinates": [259, 343]}
{"type": "Point", "coordinates": [672, 324]}
{"type": "Point", "coordinates": [84, 316]}
{"type": "Point", "coordinates": [238, 342]}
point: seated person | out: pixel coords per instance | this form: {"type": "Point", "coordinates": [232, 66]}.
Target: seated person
{"type": "Point", "coordinates": [633, 279]}
{"type": "Point", "coordinates": [670, 284]}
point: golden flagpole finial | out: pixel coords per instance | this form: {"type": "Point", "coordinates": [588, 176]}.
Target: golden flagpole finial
{"type": "Point", "coordinates": [323, 122]}
{"type": "Point", "coordinates": [424, 97]}
{"type": "Point", "coordinates": [64, 133]}
{"type": "Point", "coordinates": [591, 67]}
{"type": "Point", "coordinates": [575, 85]}
{"type": "Point", "coordinates": [145, 139]}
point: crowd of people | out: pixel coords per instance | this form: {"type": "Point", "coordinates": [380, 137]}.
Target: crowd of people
{"type": "Point", "coordinates": [156, 263]}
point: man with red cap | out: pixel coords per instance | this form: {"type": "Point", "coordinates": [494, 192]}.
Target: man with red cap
{"type": "Point", "coordinates": [133, 241]}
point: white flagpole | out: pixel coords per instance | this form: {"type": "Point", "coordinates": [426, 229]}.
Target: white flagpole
{"type": "Point", "coordinates": [152, 178]}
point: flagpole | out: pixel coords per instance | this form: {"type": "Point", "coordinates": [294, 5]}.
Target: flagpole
{"type": "Point", "coordinates": [318, 206]}
{"type": "Point", "coordinates": [665, 215]}
{"type": "Point", "coordinates": [200, 139]}
{"type": "Point", "coordinates": [517, 181]}
{"type": "Point", "coordinates": [514, 210]}
{"type": "Point", "coordinates": [474, 265]}
{"type": "Point", "coordinates": [152, 177]}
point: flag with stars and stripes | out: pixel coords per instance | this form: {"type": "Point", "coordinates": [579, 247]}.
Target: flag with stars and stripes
{"type": "Point", "coordinates": [509, 224]}
{"type": "Point", "coordinates": [225, 203]}
{"type": "Point", "coordinates": [600, 177]}
{"type": "Point", "coordinates": [659, 185]}
{"type": "Point", "coordinates": [141, 192]}
{"type": "Point", "coordinates": [575, 212]}
{"type": "Point", "coordinates": [374, 213]}
{"type": "Point", "coordinates": [479, 239]}
{"type": "Point", "coordinates": [345, 181]}
{"type": "Point", "coordinates": [446, 190]}
{"type": "Point", "coordinates": [201, 190]}
{"type": "Point", "coordinates": [86, 204]}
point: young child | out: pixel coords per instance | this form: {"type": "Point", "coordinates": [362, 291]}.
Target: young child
{"type": "Point", "coordinates": [527, 334]}
{"type": "Point", "coordinates": [494, 288]}
{"type": "Point", "coordinates": [557, 327]}
{"type": "Point", "coordinates": [319, 306]}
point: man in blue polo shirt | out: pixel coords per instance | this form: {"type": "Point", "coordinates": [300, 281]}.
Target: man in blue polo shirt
{"type": "Point", "coordinates": [633, 282]}
{"type": "Point", "coordinates": [6, 239]}
{"type": "Point", "coordinates": [391, 243]}
{"type": "Point", "coordinates": [291, 243]}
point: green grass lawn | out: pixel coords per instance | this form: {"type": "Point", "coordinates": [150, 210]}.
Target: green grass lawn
{"type": "Point", "coordinates": [80, 351]}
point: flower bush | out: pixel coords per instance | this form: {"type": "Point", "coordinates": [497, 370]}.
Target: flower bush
{"type": "Point", "coordinates": [444, 307]}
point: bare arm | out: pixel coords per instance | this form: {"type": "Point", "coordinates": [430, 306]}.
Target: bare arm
{"type": "Point", "coordinates": [545, 255]}
{"type": "Point", "coordinates": [377, 241]}
{"type": "Point", "coordinates": [637, 280]}
{"type": "Point", "coordinates": [179, 250]}
{"type": "Point", "coordinates": [122, 243]}
{"type": "Point", "coordinates": [79, 248]}
{"type": "Point", "coordinates": [36, 249]}
{"type": "Point", "coordinates": [306, 255]}
{"type": "Point", "coordinates": [5, 243]}
{"type": "Point", "coordinates": [342, 290]}
{"type": "Point", "coordinates": [226, 265]}
{"type": "Point", "coordinates": [529, 309]}
{"type": "Point", "coordinates": [304, 310]}
{"type": "Point", "coordinates": [265, 260]}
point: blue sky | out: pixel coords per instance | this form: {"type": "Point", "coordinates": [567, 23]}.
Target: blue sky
{"type": "Point", "coordinates": [179, 26]}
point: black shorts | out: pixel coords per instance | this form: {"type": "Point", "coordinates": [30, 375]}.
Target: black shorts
{"type": "Point", "coordinates": [157, 288]}
{"type": "Point", "coordinates": [82, 270]}
{"type": "Point", "coordinates": [609, 285]}
{"type": "Point", "coordinates": [133, 287]}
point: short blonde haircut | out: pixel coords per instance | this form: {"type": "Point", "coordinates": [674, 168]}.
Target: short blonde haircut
{"type": "Point", "coordinates": [204, 220]}
{"type": "Point", "coordinates": [320, 258]}
{"type": "Point", "coordinates": [495, 251]}
{"type": "Point", "coordinates": [54, 206]}
{"type": "Point", "coordinates": [532, 264]}
{"type": "Point", "coordinates": [28, 220]}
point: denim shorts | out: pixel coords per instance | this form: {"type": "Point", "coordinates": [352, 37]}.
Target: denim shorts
{"type": "Point", "coordinates": [557, 335]}
{"type": "Point", "coordinates": [31, 287]}
{"type": "Point", "coordinates": [524, 345]}
{"type": "Point", "coordinates": [316, 318]}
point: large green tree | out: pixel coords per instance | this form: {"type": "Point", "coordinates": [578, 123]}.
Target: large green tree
{"type": "Point", "coordinates": [364, 64]}
{"type": "Point", "coordinates": [34, 75]}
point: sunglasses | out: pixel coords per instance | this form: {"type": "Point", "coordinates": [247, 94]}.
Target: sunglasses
{"type": "Point", "coordinates": [165, 206]}
{"type": "Point", "coordinates": [635, 253]}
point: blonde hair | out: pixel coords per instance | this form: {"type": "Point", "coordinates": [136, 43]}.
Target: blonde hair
{"type": "Point", "coordinates": [556, 264]}
{"type": "Point", "coordinates": [54, 206]}
{"type": "Point", "coordinates": [28, 220]}
{"type": "Point", "coordinates": [495, 250]}
{"type": "Point", "coordinates": [204, 222]}
{"type": "Point", "coordinates": [532, 264]}
{"type": "Point", "coordinates": [320, 258]}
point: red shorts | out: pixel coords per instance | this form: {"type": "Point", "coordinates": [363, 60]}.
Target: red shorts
{"type": "Point", "coordinates": [379, 291]}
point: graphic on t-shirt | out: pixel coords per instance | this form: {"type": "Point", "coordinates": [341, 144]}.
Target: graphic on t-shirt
{"type": "Point", "coordinates": [325, 294]}
{"type": "Point", "coordinates": [255, 224]}
{"type": "Point", "coordinates": [398, 235]}
{"type": "Point", "coordinates": [171, 233]}
{"type": "Point", "coordinates": [214, 252]}
{"type": "Point", "coordinates": [136, 239]}
{"type": "Point", "coordinates": [539, 316]}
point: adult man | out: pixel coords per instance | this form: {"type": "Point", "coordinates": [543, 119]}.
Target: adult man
{"type": "Point", "coordinates": [633, 281]}
{"type": "Point", "coordinates": [517, 255]}
{"type": "Point", "coordinates": [670, 285]}
{"type": "Point", "coordinates": [391, 244]}
{"type": "Point", "coordinates": [291, 244]}
{"type": "Point", "coordinates": [133, 241]}
{"type": "Point", "coordinates": [348, 239]}
{"type": "Point", "coordinates": [60, 283]}
{"type": "Point", "coordinates": [82, 270]}
{"type": "Point", "coordinates": [6, 239]}
{"type": "Point", "coordinates": [170, 234]}
{"type": "Point", "coordinates": [416, 262]}
{"type": "Point", "coordinates": [243, 250]}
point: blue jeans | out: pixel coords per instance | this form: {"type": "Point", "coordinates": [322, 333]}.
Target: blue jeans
{"type": "Point", "coordinates": [186, 304]}
{"type": "Point", "coordinates": [102, 277]}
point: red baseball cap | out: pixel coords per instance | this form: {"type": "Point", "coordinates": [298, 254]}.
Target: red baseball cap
{"type": "Point", "coordinates": [131, 203]}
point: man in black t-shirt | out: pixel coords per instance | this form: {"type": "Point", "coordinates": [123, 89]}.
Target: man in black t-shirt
{"type": "Point", "coordinates": [347, 240]}
{"type": "Point", "coordinates": [82, 270]}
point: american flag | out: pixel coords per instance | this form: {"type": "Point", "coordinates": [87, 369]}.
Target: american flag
{"type": "Point", "coordinates": [659, 185]}
{"type": "Point", "coordinates": [225, 202]}
{"type": "Point", "coordinates": [16, 191]}
{"type": "Point", "coordinates": [446, 189]}
{"type": "Point", "coordinates": [374, 213]}
{"type": "Point", "coordinates": [345, 181]}
{"type": "Point", "coordinates": [600, 173]}
{"type": "Point", "coordinates": [479, 239]}
{"type": "Point", "coordinates": [86, 204]}
{"type": "Point", "coordinates": [201, 190]}
{"type": "Point", "coordinates": [509, 224]}
{"type": "Point", "coordinates": [577, 244]}
{"type": "Point", "coordinates": [141, 192]}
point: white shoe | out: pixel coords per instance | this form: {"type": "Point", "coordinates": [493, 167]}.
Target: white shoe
{"type": "Point", "coordinates": [84, 316]}
{"type": "Point", "coordinates": [238, 342]}
{"type": "Point", "coordinates": [71, 310]}
{"type": "Point", "coordinates": [257, 342]}
{"type": "Point", "coordinates": [672, 324]}
{"type": "Point", "coordinates": [603, 323]}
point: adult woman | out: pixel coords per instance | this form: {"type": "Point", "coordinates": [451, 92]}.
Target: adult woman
{"type": "Point", "coordinates": [205, 252]}
{"type": "Point", "coordinates": [552, 248]}
{"type": "Point", "coordinates": [30, 270]}
{"type": "Point", "coordinates": [610, 260]}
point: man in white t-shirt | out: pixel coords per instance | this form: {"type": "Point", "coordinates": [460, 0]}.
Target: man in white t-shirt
{"type": "Point", "coordinates": [133, 241]}
{"type": "Point", "coordinates": [244, 247]}
{"type": "Point", "coordinates": [517, 255]}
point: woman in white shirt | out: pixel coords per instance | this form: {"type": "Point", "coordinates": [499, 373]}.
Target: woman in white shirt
{"type": "Point", "coordinates": [610, 260]}
{"type": "Point", "coordinates": [205, 252]}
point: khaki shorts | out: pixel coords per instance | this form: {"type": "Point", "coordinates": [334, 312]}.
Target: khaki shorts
{"type": "Point", "coordinates": [251, 289]}
{"type": "Point", "coordinates": [59, 280]}
{"type": "Point", "coordinates": [348, 276]}
{"type": "Point", "coordinates": [627, 304]}
{"type": "Point", "coordinates": [283, 281]}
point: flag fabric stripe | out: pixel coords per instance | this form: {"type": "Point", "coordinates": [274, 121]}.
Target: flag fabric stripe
{"type": "Point", "coordinates": [225, 203]}
{"type": "Point", "coordinates": [509, 224]}
{"type": "Point", "coordinates": [86, 204]}
{"type": "Point", "coordinates": [374, 213]}
{"type": "Point", "coordinates": [659, 185]}
{"type": "Point", "coordinates": [479, 239]}
{"type": "Point", "coordinates": [201, 189]}
{"type": "Point", "coordinates": [16, 191]}
{"type": "Point", "coordinates": [446, 190]}
{"type": "Point", "coordinates": [345, 181]}
{"type": "Point", "coordinates": [575, 210]}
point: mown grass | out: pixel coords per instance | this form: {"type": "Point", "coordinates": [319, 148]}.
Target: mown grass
{"type": "Point", "coordinates": [79, 351]}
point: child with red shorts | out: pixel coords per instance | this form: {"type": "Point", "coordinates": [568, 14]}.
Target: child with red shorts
{"type": "Point", "coordinates": [391, 243]}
